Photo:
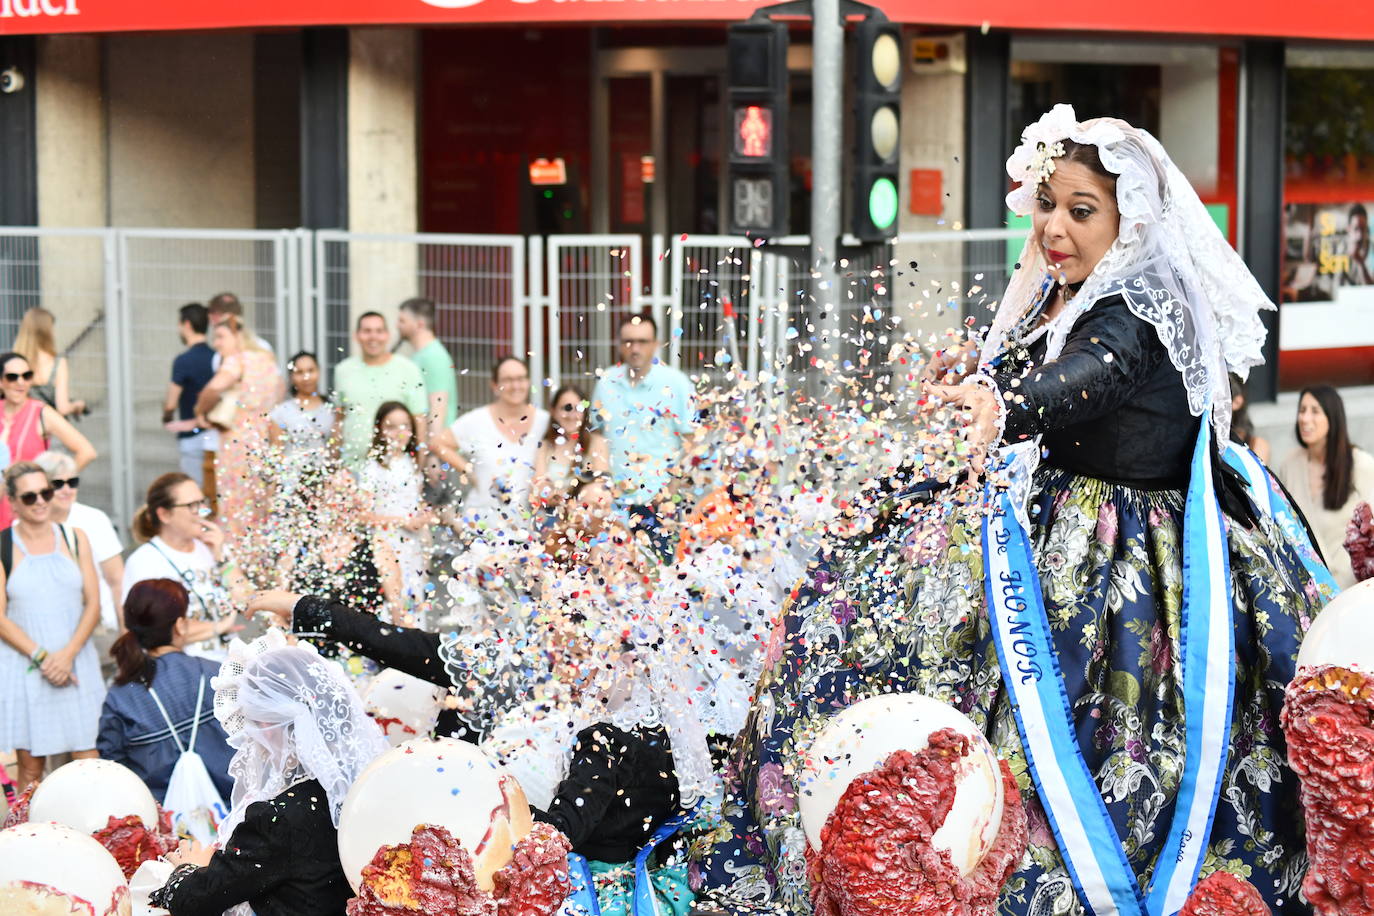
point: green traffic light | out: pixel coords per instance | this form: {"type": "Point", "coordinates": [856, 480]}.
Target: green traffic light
{"type": "Point", "coordinates": [548, 195]}
{"type": "Point", "coordinates": [882, 203]}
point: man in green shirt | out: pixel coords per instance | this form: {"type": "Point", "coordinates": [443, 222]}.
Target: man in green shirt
{"type": "Point", "coordinates": [415, 322]}
{"type": "Point", "coordinates": [365, 382]}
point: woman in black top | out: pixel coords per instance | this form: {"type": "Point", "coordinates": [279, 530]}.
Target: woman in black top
{"type": "Point", "coordinates": [301, 738]}
{"type": "Point", "coordinates": [621, 785]}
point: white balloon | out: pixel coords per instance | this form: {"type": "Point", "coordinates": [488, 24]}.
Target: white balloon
{"type": "Point", "coordinates": [861, 737]}
{"type": "Point", "coordinates": [448, 783]}
{"type": "Point", "coordinates": [85, 794]}
{"type": "Point", "coordinates": [55, 870]}
{"type": "Point", "coordinates": [404, 706]}
{"type": "Point", "coordinates": [1343, 633]}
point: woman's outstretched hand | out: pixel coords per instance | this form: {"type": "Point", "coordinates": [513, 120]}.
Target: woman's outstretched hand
{"type": "Point", "coordinates": [952, 365]}
{"type": "Point", "coordinates": [277, 602]}
{"type": "Point", "coordinates": [979, 407]}
{"type": "Point", "coordinates": [191, 852]}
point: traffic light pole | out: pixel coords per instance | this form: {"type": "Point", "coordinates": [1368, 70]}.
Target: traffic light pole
{"type": "Point", "coordinates": [827, 138]}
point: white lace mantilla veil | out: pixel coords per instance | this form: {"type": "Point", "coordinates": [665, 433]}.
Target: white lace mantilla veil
{"type": "Point", "coordinates": [1169, 261]}
{"type": "Point", "coordinates": [290, 715]}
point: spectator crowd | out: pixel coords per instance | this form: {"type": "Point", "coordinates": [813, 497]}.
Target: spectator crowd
{"type": "Point", "coordinates": [366, 489]}
{"type": "Point", "coordinates": [373, 489]}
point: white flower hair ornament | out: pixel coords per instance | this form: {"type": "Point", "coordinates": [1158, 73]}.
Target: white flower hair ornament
{"type": "Point", "coordinates": [1169, 259]}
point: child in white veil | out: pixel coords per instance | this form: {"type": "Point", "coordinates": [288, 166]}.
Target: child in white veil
{"type": "Point", "coordinates": [301, 737]}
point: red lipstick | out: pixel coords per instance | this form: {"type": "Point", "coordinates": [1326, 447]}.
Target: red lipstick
{"type": "Point", "coordinates": [1055, 256]}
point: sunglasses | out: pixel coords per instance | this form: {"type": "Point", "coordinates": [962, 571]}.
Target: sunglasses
{"type": "Point", "coordinates": [16, 376]}
{"type": "Point", "coordinates": [569, 408]}
{"type": "Point", "coordinates": [29, 499]}
{"type": "Point", "coordinates": [72, 482]}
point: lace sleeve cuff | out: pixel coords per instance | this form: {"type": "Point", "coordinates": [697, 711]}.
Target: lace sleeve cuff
{"type": "Point", "coordinates": [1000, 422]}
{"type": "Point", "coordinates": [164, 896]}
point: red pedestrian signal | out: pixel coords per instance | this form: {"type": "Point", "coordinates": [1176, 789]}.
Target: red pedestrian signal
{"type": "Point", "coordinates": [753, 132]}
{"type": "Point", "coordinates": [758, 178]}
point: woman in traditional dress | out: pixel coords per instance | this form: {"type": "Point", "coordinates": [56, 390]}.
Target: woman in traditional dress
{"type": "Point", "coordinates": [1101, 390]}
{"type": "Point", "coordinates": [301, 737]}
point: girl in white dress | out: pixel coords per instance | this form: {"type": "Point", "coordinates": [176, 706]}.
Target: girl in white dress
{"type": "Point", "coordinates": [392, 476]}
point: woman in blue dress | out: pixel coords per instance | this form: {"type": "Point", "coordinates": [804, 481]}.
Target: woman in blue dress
{"type": "Point", "coordinates": [50, 686]}
{"type": "Point", "coordinates": [1118, 592]}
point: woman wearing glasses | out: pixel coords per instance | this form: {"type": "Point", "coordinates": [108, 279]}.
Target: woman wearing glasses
{"type": "Point", "coordinates": [106, 548]}
{"type": "Point", "coordinates": [26, 424]}
{"type": "Point", "coordinates": [50, 686]}
{"type": "Point", "coordinates": [181, 543]}
{"type": "Point", "coordinates": [568, 449]}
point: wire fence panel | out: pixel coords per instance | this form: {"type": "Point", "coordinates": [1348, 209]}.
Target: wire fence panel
{"type": "Point", "coordinates": [69, 273]}
{"type": "Point", "coordinates": [161, 270]}
{"type": "Point", "coordinates": [593, 280]}
{"type": "Point", "coordinates": [559, 299]}
{"type": "Point", "coordinates": [477, 284]}
{"type": "Point", "coordinates": [712, 276]}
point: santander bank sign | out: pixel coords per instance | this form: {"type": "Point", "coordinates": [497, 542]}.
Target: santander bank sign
{"type": "Point", "coordinates": [25, 8]}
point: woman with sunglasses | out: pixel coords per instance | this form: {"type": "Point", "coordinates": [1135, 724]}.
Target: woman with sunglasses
{"type": "Point", "coordinates": [50, 686]}
{"type": "Point", "coordinates": [26, 423]}
{"type": "Point", "coordinates": [106, 548]}
{"type": "Point", "coordinates": [569, 448]}
{"type": "Point", "coordinates": [183, 544]}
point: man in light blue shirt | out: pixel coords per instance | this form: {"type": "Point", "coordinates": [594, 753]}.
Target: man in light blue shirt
{"type": "Point", "coordinates": [643, 408]}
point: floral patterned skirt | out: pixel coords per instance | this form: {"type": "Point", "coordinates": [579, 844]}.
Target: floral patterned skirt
{"type": "Point", "coordinates": [901, 609]}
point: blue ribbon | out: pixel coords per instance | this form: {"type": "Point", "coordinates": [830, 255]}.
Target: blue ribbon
{"type": "Point", "coordinates": [645, 903]}
{"type": "Point", "coordinates": [1086, 835]}
{"type": "Point", "coordinates": [1275, 506]}
{"type": "Point", "coordinates": [582, 897]}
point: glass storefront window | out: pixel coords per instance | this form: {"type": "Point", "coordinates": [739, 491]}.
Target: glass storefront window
{"type": "Point", "coordinates": [1327, 322]}
{"type": "Point", "coordinates": [1184, 93]}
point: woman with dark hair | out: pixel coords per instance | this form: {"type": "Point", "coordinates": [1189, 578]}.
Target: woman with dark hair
{"type": "Point", "coordinates": [1102, 595]}
{"type": "Point", "coordinates": [26, 423]}
{"type": "Point", "coordinates": [181, 542]}
{"type": "Point", "coordinates": [568, 449]}
{"type": "Point", "coordinates": [391, 477]}
{"type": "Point", "coordinates": [306, 422]}
{"type": "Point", "coordinates": [494, 446]}
{"type": "Point", "coordinates": [153, 670]}
{"type": "Point", "coordinates": [1327, 475]}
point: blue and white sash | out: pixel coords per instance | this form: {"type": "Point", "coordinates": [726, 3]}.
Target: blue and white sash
{"type": "Point", "coordinates": [1096, 860]}
{"type": "Point", "coordinates": [1275, 506]}
{"type": "Point", "coordinates": [645, 903]}
{"type": "Point", "coordinates": [582, 896]}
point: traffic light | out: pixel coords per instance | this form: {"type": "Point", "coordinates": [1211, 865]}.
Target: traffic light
{"type": "Point", "coordinates": [877, 127]}
{"type": "Point", "coordinates": [759, 179]}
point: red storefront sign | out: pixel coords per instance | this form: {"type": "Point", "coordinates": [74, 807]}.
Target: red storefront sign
{"type": "Point", "coordinates": [1333, 19]}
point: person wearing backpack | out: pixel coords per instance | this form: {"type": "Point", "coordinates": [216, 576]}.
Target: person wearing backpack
{"type": "Point", "coordinates": [162, 703]}
{"type": "Point", "coordinates": [50, 686]}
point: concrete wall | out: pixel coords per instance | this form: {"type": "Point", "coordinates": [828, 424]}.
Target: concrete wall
{"type": "Point", "coordinates": [72, 192]}
{"type": "Point", "coordinates": [181, 130]}
{"type": "Point", "coordinates": [932, 138]}
{"type": "Point", "coordinates": [383, 164]}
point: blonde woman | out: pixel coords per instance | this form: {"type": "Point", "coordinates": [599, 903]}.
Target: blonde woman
{"type": "Point", "coordinates": [37, 343]}
{"type": "Point", "coordinates": [247, 376]}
